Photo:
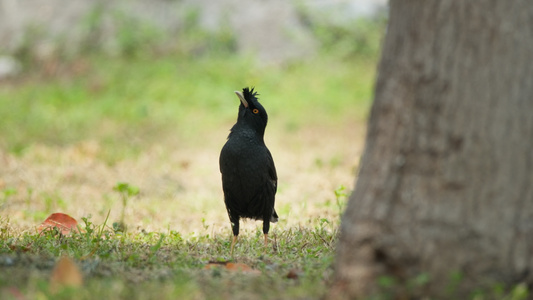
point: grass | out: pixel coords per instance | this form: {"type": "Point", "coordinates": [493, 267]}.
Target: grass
{"type": "Point", "coordinates": [79, 135]}
{"type": "Point", "coordinates": [168, 265]}
{"type": "Point", "coordinates": [130, 103]}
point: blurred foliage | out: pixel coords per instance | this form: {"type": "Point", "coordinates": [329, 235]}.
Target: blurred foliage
{"type": "Point", "coordinates": [143, 88]}
{"type": "Point", "coordinates": [340, 34]}
{"type": "Point", "coordinates": [116, 33]}
{"type": "Point", "coordinates": [196, 41]}
{"type": "Point", "coordinates": [129, 103]}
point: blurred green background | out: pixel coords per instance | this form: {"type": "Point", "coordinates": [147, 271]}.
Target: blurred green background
{"type": "Point", "coordinates": [145, 83]}
{"type": "Point", "coordinates": [97, 93]}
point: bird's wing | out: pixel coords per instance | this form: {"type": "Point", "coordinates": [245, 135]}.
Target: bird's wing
{"type": "Point", "coordinates": [272, 171]}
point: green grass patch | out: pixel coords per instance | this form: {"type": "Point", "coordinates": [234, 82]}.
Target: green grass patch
{"type": "Point", "coordinates": [154, 265]}
{"type": "Point", "coordinates": [129, 103]}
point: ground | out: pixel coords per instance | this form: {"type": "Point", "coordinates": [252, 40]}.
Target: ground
{"type": "Point", "coordinates": [180, 186]}
{"type": "Point", "coordinates": [73, 136]}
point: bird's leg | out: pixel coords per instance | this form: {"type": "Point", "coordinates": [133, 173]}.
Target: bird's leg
{"type": "Point", "coordinates": [266, 227]}
{"type": "Point", "coordinates": [235, 228]}
{"type": "Point", "coordinates": [233, 244]}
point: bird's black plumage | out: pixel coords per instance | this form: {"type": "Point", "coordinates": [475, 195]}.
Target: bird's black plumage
{"type": "Point", "coordinates": [249, 178]}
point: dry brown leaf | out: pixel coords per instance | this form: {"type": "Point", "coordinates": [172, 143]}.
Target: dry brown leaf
{"type": "Point", "coordinates": [233, 267]}
{"type": "Point", "coordinates": [13, 293]}
{"type": "Point", "coordinates": [293, 274]}
{"type": "Point", "coordinates": [17, 248]}
{"type": "Point", "coordinates": [212, 265]}
{"type": "Point", "coordinates": [238, 267]}
{"type": "Point", "coordinates": [65, 223]}
{"type": "Point", "coordinates": [65, 274]}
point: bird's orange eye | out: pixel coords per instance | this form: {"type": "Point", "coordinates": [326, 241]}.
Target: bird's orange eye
{"type": "Point", "coordinates": [255, 111]}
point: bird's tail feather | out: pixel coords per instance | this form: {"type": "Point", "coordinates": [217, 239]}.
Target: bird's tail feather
{"type": "Point", "coordinates": [274, 217]}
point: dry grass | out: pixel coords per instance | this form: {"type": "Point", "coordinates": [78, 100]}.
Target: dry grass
{"type": "Point", "coordinates": [179, 181]}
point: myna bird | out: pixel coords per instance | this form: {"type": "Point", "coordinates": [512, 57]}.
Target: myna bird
{"type": "Point", "coordinates": [249, 178]}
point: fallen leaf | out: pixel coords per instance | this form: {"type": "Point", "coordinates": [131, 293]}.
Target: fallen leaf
{"type": "Point", "coordinates": [63, 222]}
{"type": "Point", "coordinates": [233, 267]}
{"type": "Point", "coordinates": [293, 274]}
{"type": "Point", "coordinates": [210, 266]}
{"type": "Point", "coordinates": [65, 274]}
{"type": "Point", "coordinates": [16, 248]}
{"type": "Point", "coordinates": [238, 267]}
{"type": "Point", "coordinates": [15, 293]}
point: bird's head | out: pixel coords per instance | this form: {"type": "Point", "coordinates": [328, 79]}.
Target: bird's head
{"type": "Point", "coordinates": [250, 110]}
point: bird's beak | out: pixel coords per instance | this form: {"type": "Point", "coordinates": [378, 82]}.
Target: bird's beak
{"type": "Point", "coordinates": [241, 97]}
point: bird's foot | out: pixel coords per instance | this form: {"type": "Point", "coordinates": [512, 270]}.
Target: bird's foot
{"type": "Point", "coordinates": [266, 242]}
{"type": "Point", "coordinates": [233, 242]}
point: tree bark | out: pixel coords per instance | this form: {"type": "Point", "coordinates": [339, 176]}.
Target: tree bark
{"type": "Point", "coordinates": [446, 179]}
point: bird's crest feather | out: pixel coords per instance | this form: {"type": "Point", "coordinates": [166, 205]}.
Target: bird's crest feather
{"type": "Point", "coordinates": [250, 95]}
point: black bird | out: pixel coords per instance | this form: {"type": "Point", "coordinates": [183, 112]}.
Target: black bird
{"type": "Point", "coordinates": [249, 178]}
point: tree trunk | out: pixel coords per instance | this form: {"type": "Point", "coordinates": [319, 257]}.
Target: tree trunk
{"type": "Point", "coordinates": [445, 189]}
